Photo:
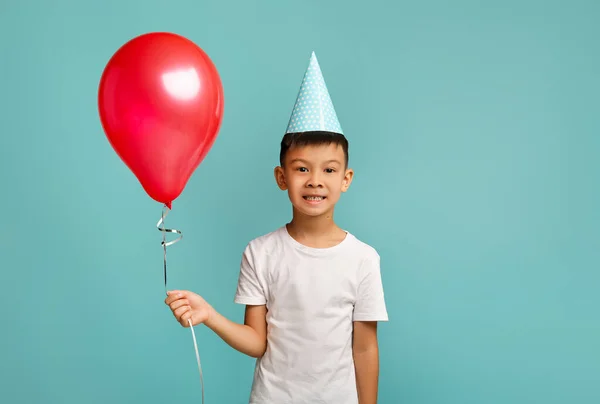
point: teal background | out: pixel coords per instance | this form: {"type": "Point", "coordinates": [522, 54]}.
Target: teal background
{"type": "Point", "coordinates": [474, 134]}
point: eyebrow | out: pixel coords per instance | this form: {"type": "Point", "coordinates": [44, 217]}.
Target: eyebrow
{"type": "Point", "coordinates": [298, 160]}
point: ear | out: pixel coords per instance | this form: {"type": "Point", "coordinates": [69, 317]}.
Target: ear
{"type": "Point", "coordinates": [348, 176]}
{"type": "Point", "coordinates": [280, 178]}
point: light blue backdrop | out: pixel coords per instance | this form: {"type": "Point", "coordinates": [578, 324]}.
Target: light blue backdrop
{"type": "Point", "coordinates": [474, 133]}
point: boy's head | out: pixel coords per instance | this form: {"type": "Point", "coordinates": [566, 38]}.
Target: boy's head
{"type": "Point", "coordinates": [314, 170]}
{"type": "Point", "coordinates": [314, 152]}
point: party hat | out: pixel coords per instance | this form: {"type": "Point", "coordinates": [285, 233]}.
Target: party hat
{"type": "Point", "coordinates": [313, 110]}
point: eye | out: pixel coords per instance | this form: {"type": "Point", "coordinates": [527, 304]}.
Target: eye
{"type": "Point", "coordinates": [329, 170]}
{"type": "Point", "coordinates": [302, 169]}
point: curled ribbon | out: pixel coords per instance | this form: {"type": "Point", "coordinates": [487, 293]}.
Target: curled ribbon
{"type": "Point", "coordinates": [160, 226]}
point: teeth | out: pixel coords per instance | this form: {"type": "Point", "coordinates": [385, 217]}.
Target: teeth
{"type": "Point", "coordinates": [313, 198]}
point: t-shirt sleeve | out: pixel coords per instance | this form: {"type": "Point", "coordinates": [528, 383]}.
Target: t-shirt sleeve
{"type": "Point", "coordinates": [370, 302]}
{"type": "Point", "coordinates": [249, 289]}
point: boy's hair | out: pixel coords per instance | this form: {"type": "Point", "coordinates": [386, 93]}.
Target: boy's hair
{"type": "Point", "coordinates": [313, 138]}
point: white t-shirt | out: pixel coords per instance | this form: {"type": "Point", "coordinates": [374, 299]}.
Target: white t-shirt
{"type": "Point", "coordinates": [312, 297]}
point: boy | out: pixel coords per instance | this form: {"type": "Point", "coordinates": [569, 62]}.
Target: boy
{"type": "Point", "coordinates": [312, 291]}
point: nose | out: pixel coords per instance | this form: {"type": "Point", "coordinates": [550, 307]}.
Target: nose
{"type": "Point", "coordinates": [314, 181]}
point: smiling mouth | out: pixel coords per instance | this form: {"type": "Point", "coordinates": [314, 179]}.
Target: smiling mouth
{"type": "Point", "coordinates": [314, 198]}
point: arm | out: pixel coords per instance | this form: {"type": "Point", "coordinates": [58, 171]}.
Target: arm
{"type": "Point", "coordinates": [369, 309]}
{"type": "Point", "coordinates": [249, 338]}
{"type": "Point", "coordinates": [365, 351]}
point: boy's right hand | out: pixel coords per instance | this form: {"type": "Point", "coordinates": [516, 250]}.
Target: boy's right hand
{"type": "Point", "coordinates": [187, 305]}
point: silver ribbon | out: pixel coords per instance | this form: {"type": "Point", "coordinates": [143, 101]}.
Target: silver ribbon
{"type": "Point", "coordinates": [164, 242]}
{"type": "Point", "coordinates": [160, 226]}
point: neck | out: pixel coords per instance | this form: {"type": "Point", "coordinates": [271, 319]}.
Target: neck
{"type": "Point", "coordinates": [312, 226]}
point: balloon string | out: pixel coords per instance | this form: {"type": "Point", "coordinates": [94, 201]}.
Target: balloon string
{"type": "Point", "coordinates": [165, 244]}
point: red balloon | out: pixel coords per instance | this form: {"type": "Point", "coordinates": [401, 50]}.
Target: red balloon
{"type": "Point", "coordinates": [161, 105]}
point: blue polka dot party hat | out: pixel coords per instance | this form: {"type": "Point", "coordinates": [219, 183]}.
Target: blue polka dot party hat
{"type": "Point", "coordinates": [313, 110]}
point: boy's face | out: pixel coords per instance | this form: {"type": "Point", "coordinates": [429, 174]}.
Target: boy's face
{"type": "Point", "coordinates": [315, 177]}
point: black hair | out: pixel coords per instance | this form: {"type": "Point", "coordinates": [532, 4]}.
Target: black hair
{"type": "Point", "coordinates": [313, 138]}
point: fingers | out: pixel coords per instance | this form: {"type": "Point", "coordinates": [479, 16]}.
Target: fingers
{"type": "Point", "coordinates": [180, 306]}
{"type": "Point", "coordinates": [179, 303]}
{"type": "Point", "coordinates": [178, 313]}
{"type": "Point", "coordinates": [184, 320]}
{"type": "Point", "coordinates": [183, 314]}
{"type": "Point", "coordinates": [174, 295]}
